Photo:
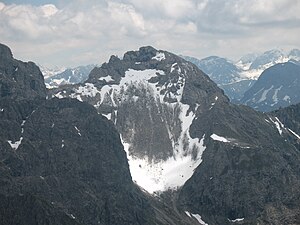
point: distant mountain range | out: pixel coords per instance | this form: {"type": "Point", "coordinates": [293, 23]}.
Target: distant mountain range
{"type": "Point", "coordinates": [278, 86]}
{"type": "Point", "coordinates": [235, 78]}
{"type": "Point", "coordinates": [56, 77]}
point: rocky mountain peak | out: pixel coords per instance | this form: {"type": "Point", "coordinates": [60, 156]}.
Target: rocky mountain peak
{"type": "Point", "coordinates": [143, 54]}
{"type": "Point", "coordinates": [19, 80]}
{"type": "Point", "coordinates": [294, 54]}
{"type": "Point", "coordinates": [152, 96]}
{"type": "Point", "coordinates": [5, 52]}
{"type": "Point", "coordinates": [63, 163]}
{"type": "Point", "coordinates": [268, 58]}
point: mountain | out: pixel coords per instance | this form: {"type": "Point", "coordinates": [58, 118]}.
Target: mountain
{"type": "Point", "coordinates": [69, 76]}
{"type": "Point", "coordinates": [245, 61]}
{"type": "Point", "coordinates": [294, 55]}
{"type": "Point", "coordinates": [225, 73]}
{"type": "Point", "coordinates": [254, 66]}
{"type": "Point", "coordinates": [49, 72]}
{"type": "Point", "coordinates": [216, 161]}
{"type": "Point", "coordinates": [220, 70]}
{"type": "Point", "coordinates": [236, 78]}
{"type": "Point", "coordinates": [58, 168]}
{"type": "Point", "coordinates": [235, 91]}
{"type": "Point", "coordinates": [19, 80]}
{"type": "Point", "coordinates": [157, 86]}
{"type": "Point", "coordinates": [278, 86]}
{"type": "Point", "coordinates": [268, 59]}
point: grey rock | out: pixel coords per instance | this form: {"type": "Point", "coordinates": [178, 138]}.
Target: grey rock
{"type": "Point", "coordinates": [19, 80]}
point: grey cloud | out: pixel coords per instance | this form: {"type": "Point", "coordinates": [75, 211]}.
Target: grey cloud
{"type": "Point", "coordinates": [84, 32]}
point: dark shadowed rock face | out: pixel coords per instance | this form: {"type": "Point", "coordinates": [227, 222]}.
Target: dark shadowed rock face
{"type": "Point", "coordinates": [19, 80]}
{"type": "Point", "coordinates": [28, 209]}
{"type": "Point", "coordinates": [289, 118]}
{"type": "Point", "coordinates": [252, 176]}
{"type": "Point", "coordinates": [78, 166]}
{"type": "Point", "coordinates": [66, 168]}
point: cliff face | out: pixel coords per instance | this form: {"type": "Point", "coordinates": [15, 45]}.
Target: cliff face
{"type": "Point", "coordinates": [74, 164]}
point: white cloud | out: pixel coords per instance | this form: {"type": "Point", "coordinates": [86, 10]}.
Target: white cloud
{"type": "Point", "coordinates": [2, 5]}
{"type": "Point", "coordinates": [125, 15]}
{"type": "Point", "coordinates": [49, 10]}
{"type": "Point", "coordinates": [78, 32]}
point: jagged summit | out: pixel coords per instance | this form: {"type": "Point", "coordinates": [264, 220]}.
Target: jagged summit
{"type": "Point", "coordinates": [5, 52]}
{"type": "Point", "coordinates": [145, 53]}
{"type": "Point", "coordinates": [19, 80]}
{"type": "Point", "coordinates": [152, 96]}
{"type": "Point", "coordinates": [173, 70]}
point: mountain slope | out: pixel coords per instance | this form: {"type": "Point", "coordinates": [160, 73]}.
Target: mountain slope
{"type": "Point", "coordinates": [277, 87]}
{"type": "Point", "coordinates": [63, 169]}
{"type": "Point", "coordinates": [181, 133]}
{"type": "Point", "coordinates": [156, 86]}
{"type": "Point", "coordinates": [243, 176]}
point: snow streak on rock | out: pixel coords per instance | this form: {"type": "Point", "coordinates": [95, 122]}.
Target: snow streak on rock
{"type": "Point", "coordinates": [196, 216]}
{"type": "Point", "coordinates": [160, 175]}
{"type": "Point", "coordinates": [219, 138]}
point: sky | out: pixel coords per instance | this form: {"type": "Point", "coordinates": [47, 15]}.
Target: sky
{"type": "Point", "coordinates": [62, 33]}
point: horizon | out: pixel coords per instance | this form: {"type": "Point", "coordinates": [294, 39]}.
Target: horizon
{"type": "Point", "coordinates": [57, 33]}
